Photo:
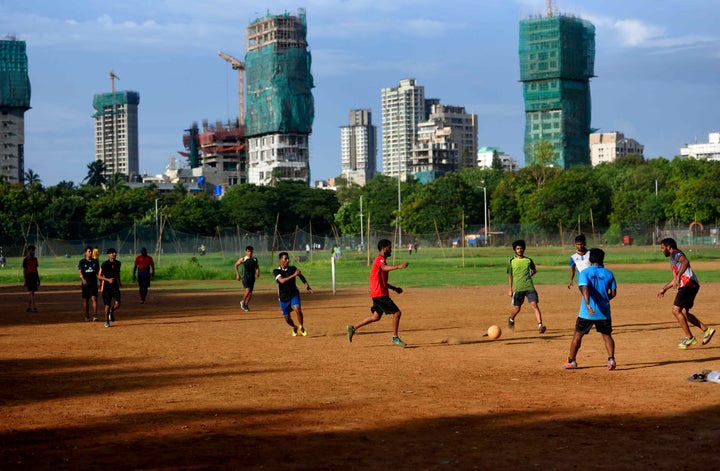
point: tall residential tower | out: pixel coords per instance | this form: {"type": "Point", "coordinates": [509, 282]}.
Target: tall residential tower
{"type": "Point", "coordinates": [358, 142]}
{"type": "Point", "coordinates": [116, 132]}
{"type": "Point", "coordinates": [403, 108]}
{"type": "Point", "coordinates": [280, 106]}
{"type": "Point", "coordinates": [14, 102]}
{"type": "Point", "coordinates": [557, 60]}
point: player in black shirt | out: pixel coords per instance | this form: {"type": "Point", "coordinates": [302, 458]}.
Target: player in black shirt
{"type": "Point", "coordinates": [288, 293]}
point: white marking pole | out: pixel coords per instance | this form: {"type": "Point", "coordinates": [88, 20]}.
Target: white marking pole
{"type": "Point", "coordinates": [332, 264]}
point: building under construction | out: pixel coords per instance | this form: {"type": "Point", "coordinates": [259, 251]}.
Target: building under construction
{"type": "Point", "coordinates": [216, 154]}
{"type": "Point", "coordinates": [557, 60]}
{"type": "Point", "coordinates": [280, 107]}
{"type": "Point", "coordinates": [14, 102]}
{"type": "Point", "coordinates": [116, 131]}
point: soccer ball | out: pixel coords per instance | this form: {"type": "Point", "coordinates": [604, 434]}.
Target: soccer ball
{"type": "Point", "coordinates": [494, 332]}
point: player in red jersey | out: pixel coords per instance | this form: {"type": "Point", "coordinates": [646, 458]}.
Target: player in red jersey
{"type": "Point", "coordinates": [380, 293]}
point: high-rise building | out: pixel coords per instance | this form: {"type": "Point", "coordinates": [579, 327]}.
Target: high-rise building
{"type": "Point", "coordinates": [557, 60]}
{"type": "Point", "coordinates": [14, 102]}
{"type": "Point", "coordinates": [446, 142]}
{"type": "Point", "coordinates": [280, 106]}
{"type": "Point", "coordinates": [610, 146]}
{"type": "Point", "coordinates": [358, 145]}
{"type": "Point", "coordinates": [116, 132]}
{"type": "Point", "coordinates": [403, 108]}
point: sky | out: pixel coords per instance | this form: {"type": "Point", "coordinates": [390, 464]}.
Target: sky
{"type": "Point", "coordinates": [657, 67]}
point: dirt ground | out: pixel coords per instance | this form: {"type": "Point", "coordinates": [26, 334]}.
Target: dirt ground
{"type": "Point", "coordinates": [189, 381]}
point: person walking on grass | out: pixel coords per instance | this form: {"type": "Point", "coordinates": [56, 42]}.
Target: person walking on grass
{"type": "Point", "coordinates": [110, 277]}
{"type": "Point", "coordinates": [89, 268]}
{"type": "Point", "coordinates": [380, 293]}
{"type": "Point", "coordinates": [580, 259]}
{"type": "Point", "coordinates": [598, 287]}
{"type": "Point", "coordinates": [31, 277]}
{"type": "Point", "coordinates": [687, 285]}
{"type": "Point", "coordinates": [288, 293]}
{"type": "Point", "coordinates": [520, 270]}
{"type": "Point", "coordinates": [250, 271]}
{"type": "Point", "coordinates": [144, 266]}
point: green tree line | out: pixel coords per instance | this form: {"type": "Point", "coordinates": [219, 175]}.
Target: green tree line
{"type": "Point", "coordinates": [630, 190]}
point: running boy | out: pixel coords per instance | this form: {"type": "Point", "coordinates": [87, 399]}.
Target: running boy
{"type": "Point", "coordinates": [250, 271]}
{"type": "Point", "coordinates": [520, 270]}
{"type": "Point", "coordinates": [579, 260]}
{"type": "Point", "coordinates": [380, 294]}
{"type": "Point", "coordinates": [687, 285]}
{"type": "Point", "coordinates": [598, 287]}
{"type": "Point", "coordinates": [288, 293]}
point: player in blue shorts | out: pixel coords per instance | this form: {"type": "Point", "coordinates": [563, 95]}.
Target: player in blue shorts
{"type": "Point", "coordinates": [288, 293]}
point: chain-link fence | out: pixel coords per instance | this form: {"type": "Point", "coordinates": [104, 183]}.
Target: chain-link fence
{"type": "Point", "coordinates": [232, 241]}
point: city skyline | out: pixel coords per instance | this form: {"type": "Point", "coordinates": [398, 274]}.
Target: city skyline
{"type": "Point", "coordinates": [656, 69]}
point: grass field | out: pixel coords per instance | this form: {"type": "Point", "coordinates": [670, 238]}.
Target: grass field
{"type": "Point", "coordinates": [429, 267]}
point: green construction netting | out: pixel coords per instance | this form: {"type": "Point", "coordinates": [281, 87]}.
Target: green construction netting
{"type": "Point", "coordinates": [556, 47]}
{"type": "Point", "coordinates": [279, 91]}
{"type": "Point", "coordinates": [104, 102]}
{"type": "Point", "coordinates": [14, 80]}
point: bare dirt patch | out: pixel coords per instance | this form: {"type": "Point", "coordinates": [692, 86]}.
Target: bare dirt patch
{"type": "Point", "coordinates": [189, 381]}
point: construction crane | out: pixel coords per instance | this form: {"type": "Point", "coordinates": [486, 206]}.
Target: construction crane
{"type": "Point", "coordinates": [112, 81]}
{"type": "Point", "coordinates": [549, 8]}
{"type": "Point", "coordinates": [240, 67]}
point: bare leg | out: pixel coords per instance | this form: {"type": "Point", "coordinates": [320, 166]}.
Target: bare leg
{"type": "Point", "coordinates": [536, 309]}
{"type": "Point", "coordinates": [396, 323]}
{"type": "Point", "coordinates": [682, 320]}
{"type": "Point", "coordinates": [575, 345]}
{"type": "Point", "coordinates": [516, 310]}
{"type": "Point", "coordinates": [609, 345]}
{"type": "Point", "coordinates": [695, 321]}
{"type": "Point", "coordinates": [368, 320]}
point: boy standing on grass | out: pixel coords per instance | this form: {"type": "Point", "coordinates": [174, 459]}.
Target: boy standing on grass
{"type": "Point", "coordinates": [598, 287]}
{"type": "Point", "coordinates": [687, 285]}
{"type": "Point", "coordinates": [520, 270]}
{"type": "Point", "coordinates": [379, 291]}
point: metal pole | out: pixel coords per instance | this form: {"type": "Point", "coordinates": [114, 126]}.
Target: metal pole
{"type": "Point", "coordinates": [157, 229]}
{"type": "Point", "coordinates": [487, 234]}
{"type": "Point", "coordinates": [362, 244]}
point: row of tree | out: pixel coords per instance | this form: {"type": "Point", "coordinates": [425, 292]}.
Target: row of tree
{"type": "Point", "coordinates": [629, 190]}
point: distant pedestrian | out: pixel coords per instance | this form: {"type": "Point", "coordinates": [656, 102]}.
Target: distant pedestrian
{"type": "Point", "coordinates": [111, 284]}
{"type": "Point", "coordinates": [89, 269]}
{"type": "Point", "coordinates": [687, 285]}
{"type": "Point", "coordinates": [144, 266]}
{"type": "Point", "coordinates": [289, 295]}
{"type": "Point", "coordinates": [598, 287]}
{"type": "Point", "coordinates": [250, 272]}
{"type": "Point", "coordinates": [31, 277]}
{"type": "Point", "coordinates": [380, 293]}
{"type": "Point", "coordinates": [520, 270]}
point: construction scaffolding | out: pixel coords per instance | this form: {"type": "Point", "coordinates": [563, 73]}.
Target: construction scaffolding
{"type": "Point", "coordinates": [113, 103]}
{"type": "Point", "coordinates": [279, 82]}
{"type": "Point", "coordinates": [14, 79]}
{"type": "Point", "coordinates": [557, 60]}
